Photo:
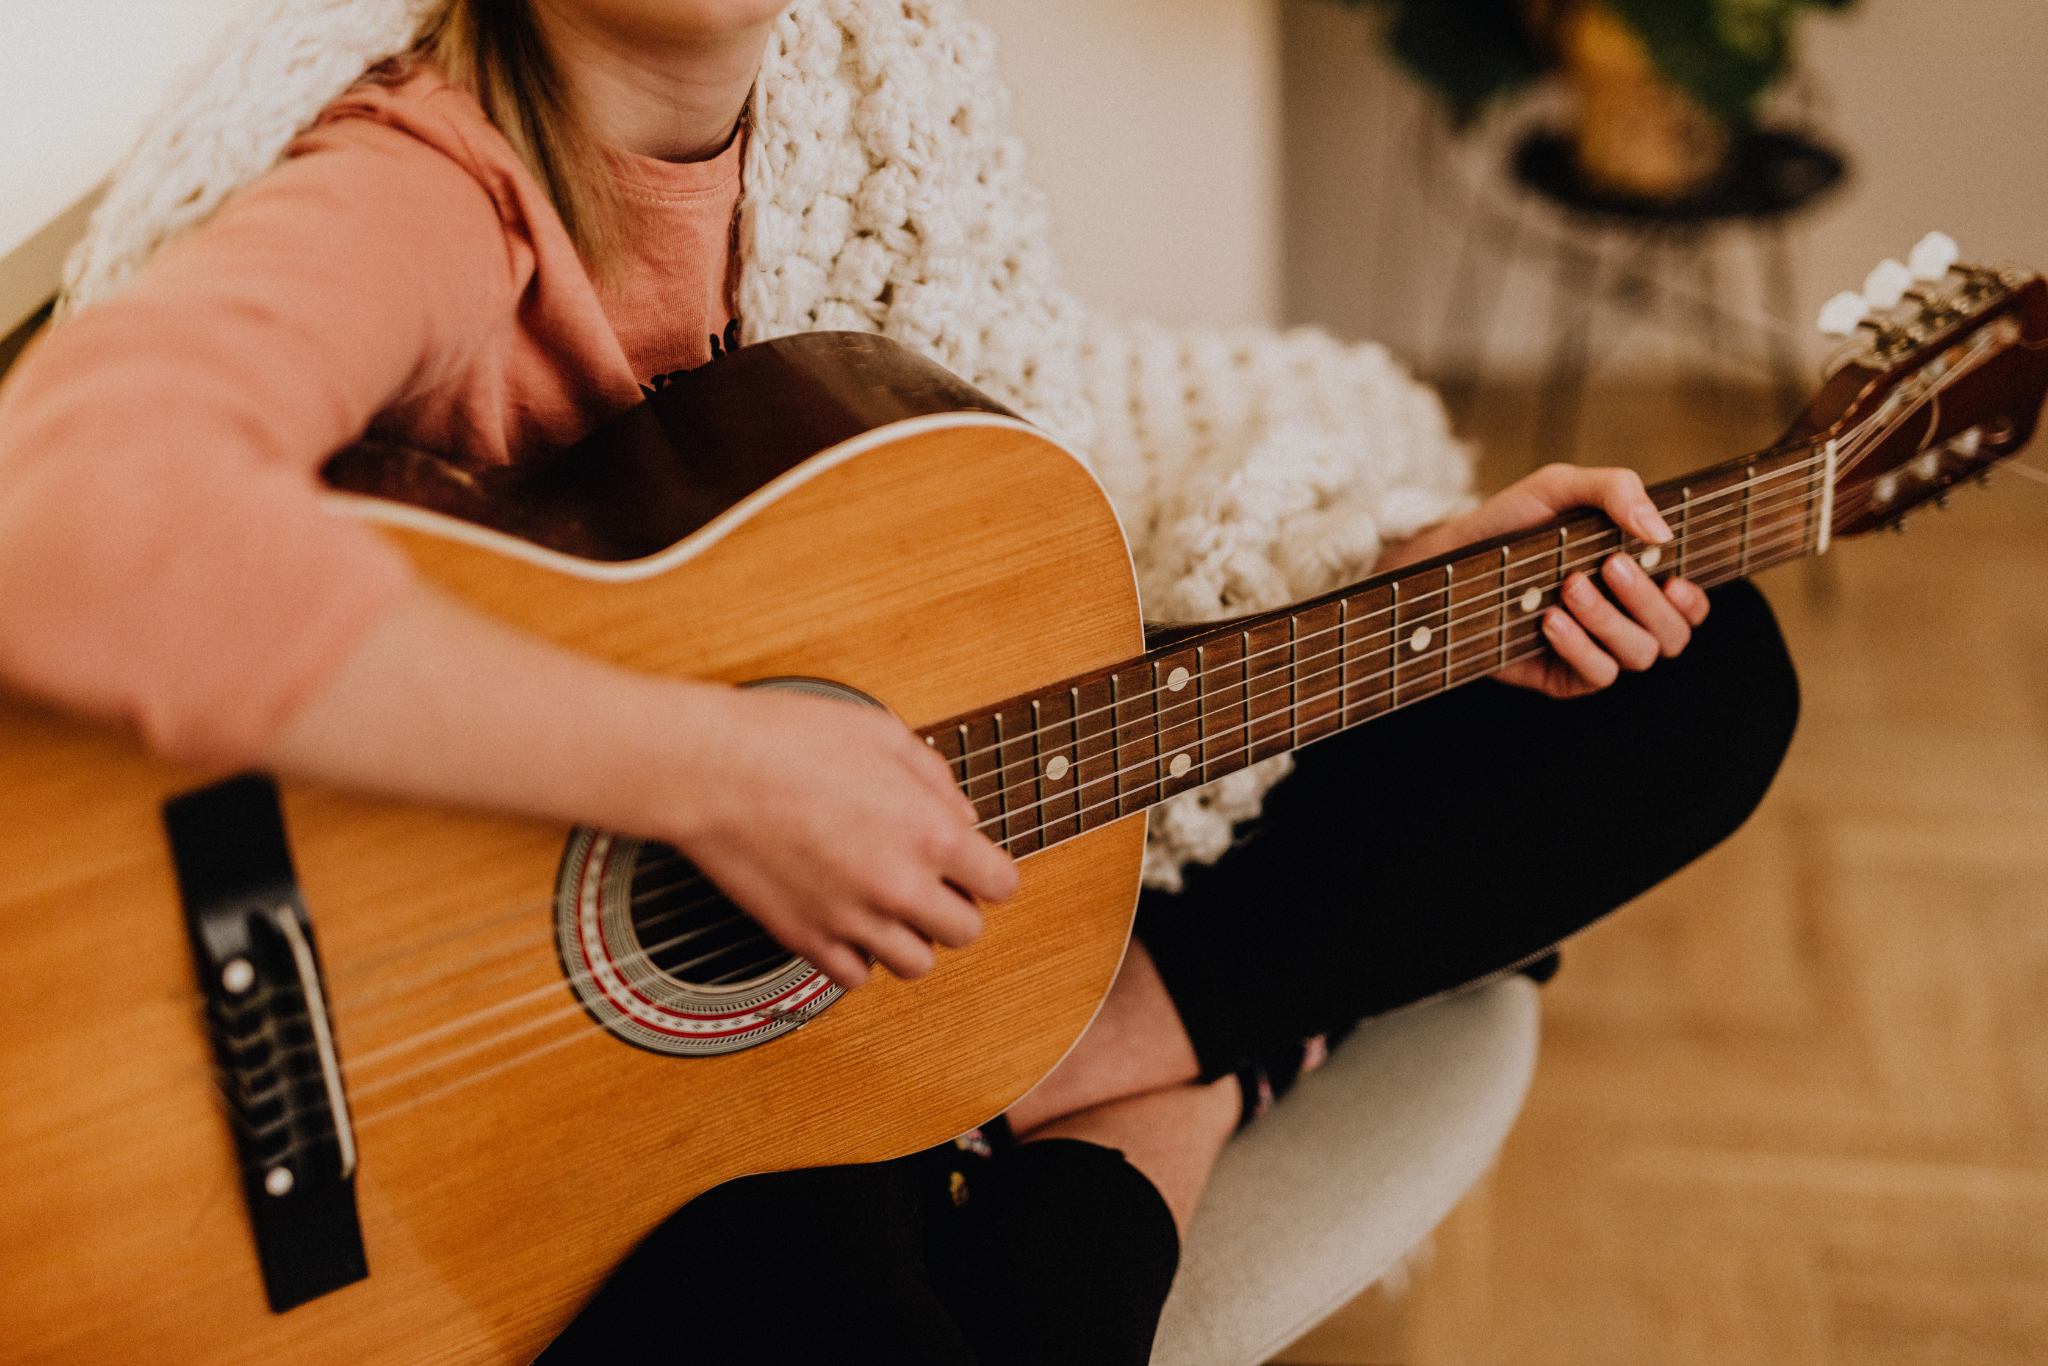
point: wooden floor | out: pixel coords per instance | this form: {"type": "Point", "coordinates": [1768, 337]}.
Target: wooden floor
{"type": "Point", "coordinates": [1792, 1107]}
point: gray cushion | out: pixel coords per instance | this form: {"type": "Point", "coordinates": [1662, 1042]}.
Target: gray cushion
{"type": "Point", "coordinates": [1329, 1189]}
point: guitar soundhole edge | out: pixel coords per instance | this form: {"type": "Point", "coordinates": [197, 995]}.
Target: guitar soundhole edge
{"type": "Point", "coordinates": [659, 957]}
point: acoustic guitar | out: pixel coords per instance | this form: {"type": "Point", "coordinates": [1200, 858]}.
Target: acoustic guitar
{"type": "Point", "coordinates": [427, 1131]}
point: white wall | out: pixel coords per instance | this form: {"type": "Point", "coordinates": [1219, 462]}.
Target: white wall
{"type": "Point", "coordinates": [77, 79]}
{"type": "Point", "coordinates": [1941, 105]}
{"type": "Point", "coordinates": [1153, 126]}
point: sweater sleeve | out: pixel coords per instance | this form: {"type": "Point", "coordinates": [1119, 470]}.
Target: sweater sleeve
{"type": "Point", "coordinates": [165, 558]}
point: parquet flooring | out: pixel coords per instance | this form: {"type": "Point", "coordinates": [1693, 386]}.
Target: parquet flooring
{"type": "Point", "coordinates": [1792, 1106]}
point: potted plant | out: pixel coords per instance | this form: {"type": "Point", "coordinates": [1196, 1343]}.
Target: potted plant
{"type": "Point", "coordinates": [1661, 86]}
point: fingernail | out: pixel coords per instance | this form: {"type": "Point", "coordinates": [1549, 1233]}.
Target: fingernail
{"type": "Point", "coordinates": [1652, 525]}
{"type": "Point", "coordinates": [1623, 567]}
{"type": "Point", "coordinates": [1578, 589]}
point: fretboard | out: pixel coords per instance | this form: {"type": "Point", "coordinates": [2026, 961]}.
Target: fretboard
{"type": "Point", "coordinates": [1210, 700]}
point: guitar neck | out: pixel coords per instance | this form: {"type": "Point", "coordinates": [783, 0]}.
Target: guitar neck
{"type": "Point", "coordinates": [1210, 700]}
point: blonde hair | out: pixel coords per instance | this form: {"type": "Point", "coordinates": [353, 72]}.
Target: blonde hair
{"type": "Point", "coordinates": [493, 50]}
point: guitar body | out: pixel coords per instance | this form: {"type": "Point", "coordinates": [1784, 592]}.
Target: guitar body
{"type": "Point", "coordinates": [509, 1156]}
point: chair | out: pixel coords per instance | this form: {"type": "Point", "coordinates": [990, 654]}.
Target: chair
{"type": "Point", "coordinates": [1333, 1186]}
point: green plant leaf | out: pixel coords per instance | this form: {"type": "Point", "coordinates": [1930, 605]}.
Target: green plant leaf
{"type": "Point", "coordinates": [1468, 51]}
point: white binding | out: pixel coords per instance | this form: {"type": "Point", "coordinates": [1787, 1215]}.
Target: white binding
{"type": "Point", "coordinates": [387, 513]}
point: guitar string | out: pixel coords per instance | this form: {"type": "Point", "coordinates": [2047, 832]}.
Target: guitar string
{"type": "Point", "coordinates": [1430, 690]}
{"type": "Point", "coordinates": [370, 1088]}
{"type": "Point", "coordinates": [1870, 433]}
{"type": "Point", "coordinates": [467, 1079]}
{"type": "Point", "coordinates": [470, 1078]}
{"type": "Point", "coordinates": [1244, 664]}
{"type": "Point", "coordinates": [1858, 440]}
{"type": "Point", "coordinates": [1367, 644]}
{"type": "Point", "coordinates": [1742, 552]}
{"type": "Point", "coordinates": [1427, 662]}
{"type": "Point", "coordinates": [697, 879]}
{"type": "Point", "coordinates": [1290, 677]}
{"type": "Point", "coordinates": [1552, 576]}
{"type": "Point", "coordinates": [575, 977]}
{"type": "Point", "coordinates": [364, 1119]}
{"type": "Point", "coordinates": [1547, 559]}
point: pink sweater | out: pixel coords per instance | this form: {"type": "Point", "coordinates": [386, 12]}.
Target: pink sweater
{"type": "Point", "coordinates": [164, 556]}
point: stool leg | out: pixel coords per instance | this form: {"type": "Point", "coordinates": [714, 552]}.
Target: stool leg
{"type": "Point", "coordinates": [1779, 284]}
{"type": "Point", "coordinates": [1557, 413]}
{"type": "Point", "coordinates": [1492, 242]}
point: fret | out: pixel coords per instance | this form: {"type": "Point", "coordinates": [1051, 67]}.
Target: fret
{"type": "Point", "coordinates": [1586, 545]}
{"type": "Point", "coordinates": [984, 782]}
{"type": "Point", "coordinates": [1017, 753]}
{"type": "Point", "coordinates": [1420, 613]}
{"type": "Point", "coordinates": [1318, 672]}
{"type": "Point", "coordinates": [1095, 748]}
{"type": "Point", "coordinates": [1532, 579]}
{"type": "Point", "coordinates": [1269, 683]}
{"type": "Point", "coordinates": [1478, 599]}
{"type": "Point", "coordinates": [1672, 553]}
{"type": "Point", "coordinates": [1787, 509]}
{"type": "Point", "coordinates": [1223, 713]}
{"type": "Point", "coordinates": [949, 743]}
{"type": "Point", "coordinates": [1368, 656]}
{"type": "Point", "coordinates": [1058, 758]}
{"type": "Point", "coordinates": [1043, 769]}
{"type": "Point", "coordinates": [1713, 529]}
{"type": "Point", "coordinates": [1683, 539]}
{"type": "Point", "coordinates": [1180, 718]}
{"type": "Point", "coordinates": [1137, 740]}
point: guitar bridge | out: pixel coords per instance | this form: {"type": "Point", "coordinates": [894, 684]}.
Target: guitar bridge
{"type": "Point", "coordinates": [266, 1012]}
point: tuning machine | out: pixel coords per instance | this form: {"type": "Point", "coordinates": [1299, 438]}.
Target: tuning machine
{"type": "Point", "coordinates": [1915, 281]}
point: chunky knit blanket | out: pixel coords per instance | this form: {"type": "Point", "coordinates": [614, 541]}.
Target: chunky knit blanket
{"type": "Point", "coordinates": [884, 192]}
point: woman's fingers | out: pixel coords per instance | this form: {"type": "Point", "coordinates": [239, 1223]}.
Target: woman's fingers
{"type": "Point", "coordinates": [1643, 600]}
{"type": "Point", "coordinates": [1594, 667]}
{"type": "Point", "coordinates": [1617, 492]}
{"type": "Point", "coordinates": [896, 947]}
{"type": "Point", "coordinates": [1689, 598]}
{"type": "Point", "coordinates": [1632, 647]}
{"type": "Point", "coordinates": [1596, 639]}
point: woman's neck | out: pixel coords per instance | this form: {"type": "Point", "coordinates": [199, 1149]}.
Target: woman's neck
{"type": "Point", "coordinates": [669, 90]}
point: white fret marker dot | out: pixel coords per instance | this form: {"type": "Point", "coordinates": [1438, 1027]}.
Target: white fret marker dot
{"type": "Point", "coordinates": [278, 1181]}
{"type": "Point", "coordinates": [1532, 600]}
{"type": "Point", "coordinates": [1056, 767]}
{"type": "Point", "coordinates": [1177, 680]}
{"type": "Point", "coordinates": [1181, 764]}
{"type": "Point", "coordinates": [1648, 559]}
{"type": "Point", "coordinates": [1420, 640]}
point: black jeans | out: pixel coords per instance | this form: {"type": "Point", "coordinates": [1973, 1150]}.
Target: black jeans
{"type": "Point", "coordinates": [1437, 845]}
{"type": "Point", "coordinates": [1416, 853]}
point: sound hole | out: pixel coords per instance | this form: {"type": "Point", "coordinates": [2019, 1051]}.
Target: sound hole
{"type": "Point", "coordinates": [690, 931]}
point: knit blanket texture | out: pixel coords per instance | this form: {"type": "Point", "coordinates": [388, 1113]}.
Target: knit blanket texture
{"type": "Point", "coordinates": [885, 192]}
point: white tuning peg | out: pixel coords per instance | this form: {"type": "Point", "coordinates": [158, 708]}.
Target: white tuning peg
{"type": "Point", "coordinates": [1932, 256]}
{"type": "Point", "coordinates": [1887, 284]}
{"type": "Point", "coordinates": [1839, 315]}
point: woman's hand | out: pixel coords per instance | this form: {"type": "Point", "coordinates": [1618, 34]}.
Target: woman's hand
{"type": "Point", "coordinates": [841, 832]}
{"type": "Point", "coordinates": [1591, 639]}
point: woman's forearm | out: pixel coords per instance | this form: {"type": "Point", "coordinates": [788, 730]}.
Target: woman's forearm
{"type": "Point", "coordinates": [833, 825]}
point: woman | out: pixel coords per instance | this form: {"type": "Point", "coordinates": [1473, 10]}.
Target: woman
{"type": "Point", "coordinates": [495, 243]}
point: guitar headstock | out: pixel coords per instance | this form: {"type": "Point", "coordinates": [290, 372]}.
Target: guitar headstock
{"type": "Point", "coordinates": [1943, 375]}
